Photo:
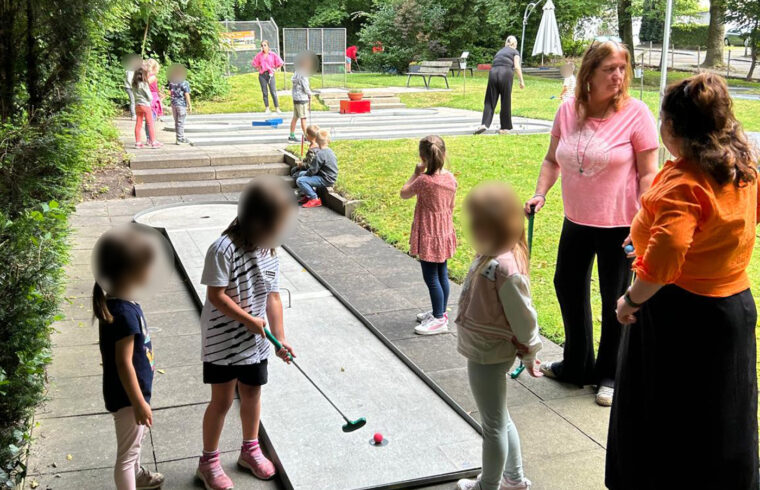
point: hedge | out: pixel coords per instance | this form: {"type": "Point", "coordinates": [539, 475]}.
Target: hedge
{"type": "Point", "coordinates": [690, 36]}
{"type": "Point", "coordinates": [40, 174]}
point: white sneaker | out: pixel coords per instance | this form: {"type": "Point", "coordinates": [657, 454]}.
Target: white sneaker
{"type": "Point", "coordinates": [424, 316]}
{"type": "Point", "coordinates": [604, 396]}
{"type": "Point", "coordinates": [546, 369]}
{"type": "Point", "coordinates": [481, 129]}
{"type": "Point", "coordinates": [267, 111]}
{"type": "Point", "coordinates": [507, 484]}
{"type": "Point", "coordinates": [277, 110]}
{"type": "Point", "coordinates": [433, 326]}
{"type": "Point", "coordinates": [467, 484]}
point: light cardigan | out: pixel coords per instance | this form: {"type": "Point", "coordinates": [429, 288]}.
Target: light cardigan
{"type": "Point", "coordinates": [496, 310]}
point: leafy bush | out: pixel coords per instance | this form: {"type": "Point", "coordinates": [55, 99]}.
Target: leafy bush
{"type": "Point", "coordinates": [32, 247]}
{"type": "Point", "coordinates": [689, 35]}
{"type": "Point", "coordinates": [409, 30]}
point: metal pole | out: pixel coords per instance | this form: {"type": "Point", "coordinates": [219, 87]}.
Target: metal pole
{"type": "Point", "coordinates": [699, 51]}
{"type": "Point", "coordinates": [650, 53]}
{"type": "Point", "coordinates": [322, 53]}
{"type": "Point", "coordinates": [673, 56]}
{"type": "Point", "coordinates": [522, 38]}
{"type": "Point", "coordinates": [728, 65]}
{"type": "Point", "coordinates": [664, 60]}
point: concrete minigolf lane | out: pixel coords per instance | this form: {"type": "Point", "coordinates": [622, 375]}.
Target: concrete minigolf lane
{"type": "Point", "coordinates": [428, 440]}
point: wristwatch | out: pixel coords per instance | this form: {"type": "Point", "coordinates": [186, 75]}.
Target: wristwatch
{"type": "Point", "coordinates": [631, 303]}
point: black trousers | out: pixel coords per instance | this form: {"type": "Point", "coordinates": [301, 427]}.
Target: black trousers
{"type": "Point", "coordinates": [685, 408]}
{"type": "Point", "coordinates": [578, 246]}
{"type": "Point", "coordinates": [499, 85]}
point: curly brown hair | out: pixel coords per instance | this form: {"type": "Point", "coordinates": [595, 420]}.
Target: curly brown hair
{"type": "Point", "coordinates": [699, 110]}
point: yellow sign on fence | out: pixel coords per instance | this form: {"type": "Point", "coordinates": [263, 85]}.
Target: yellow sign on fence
{"type": "Point", "coordinates": [238, 39]}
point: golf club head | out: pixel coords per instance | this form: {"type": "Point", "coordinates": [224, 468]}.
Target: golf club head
{"type": "Point", "coordinates": [353, 425]}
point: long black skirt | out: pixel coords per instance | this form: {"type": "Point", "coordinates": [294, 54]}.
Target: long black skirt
{"type": "Point", "coordinates": [685, 409]}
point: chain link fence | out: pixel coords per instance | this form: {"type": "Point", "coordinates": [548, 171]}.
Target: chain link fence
{"type": "Point", "coordinates": [242, 40]}
{"type": "Point", "coordinates": [328, 45]}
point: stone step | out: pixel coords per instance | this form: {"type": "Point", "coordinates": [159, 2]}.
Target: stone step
{"type": "Point", "coordinates": [145, 160]}
{"type": "Point", "coordinates": [208, 173]}
{"type": "Point", "coordinates": [155, 189]}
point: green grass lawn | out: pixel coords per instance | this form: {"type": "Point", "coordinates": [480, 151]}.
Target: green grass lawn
{"type": "Point", "coordinates": [534, 101]}
{"type": "Point", "coordinates": [374, 171]}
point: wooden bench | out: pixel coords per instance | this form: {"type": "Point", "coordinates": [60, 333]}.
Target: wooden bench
{"type": "Point", "coordinates": [454, 68]}
{"type": "Point", "coordinates": [428, 70]}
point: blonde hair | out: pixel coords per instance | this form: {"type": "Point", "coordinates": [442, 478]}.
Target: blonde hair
{"type": "Point", "coordinates": [595, 56]}
{"type": "Point", "coordinates": [511, 42]}
{"type": "Point", "coordinates": [494, 206]}
{"type": "Point", "coordinates": [322, 137]}
{"type": "Point", "coordinates": [312, 131]}
{"type": "Point", "coordinates": [153, 66]}
{"type": "Point", "coordinates": [433, 153]}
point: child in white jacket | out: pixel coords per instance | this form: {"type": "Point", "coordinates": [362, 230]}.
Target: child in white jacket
{"type": "Point", "coordinates": [497, 323]}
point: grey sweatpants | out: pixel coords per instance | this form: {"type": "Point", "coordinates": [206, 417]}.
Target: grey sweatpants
{"type": "Point", "coordinates": [501, 443]}
{"type": "Point", "coordinates": [267, 82]}
{"type": "Point", "coordinates": [131, 96]}
{"type": "Point", "coordinates": [179, 113]}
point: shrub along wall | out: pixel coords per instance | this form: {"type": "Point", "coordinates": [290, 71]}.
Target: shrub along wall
{"type": "Point", "coordinates": [689, 36]}
{"type": "Point", "coordinates": [54, 125]}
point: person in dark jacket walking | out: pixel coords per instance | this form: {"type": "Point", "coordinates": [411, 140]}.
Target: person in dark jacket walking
{"type": "Point", "coordinates": [505, 64]}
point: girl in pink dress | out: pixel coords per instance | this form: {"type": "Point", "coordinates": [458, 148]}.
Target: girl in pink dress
{"type": "Point", "coordinates": [433, 238]}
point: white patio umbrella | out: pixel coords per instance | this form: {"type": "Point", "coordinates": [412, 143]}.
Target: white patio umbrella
{"type": "Point", "coordinates": [547, 39]}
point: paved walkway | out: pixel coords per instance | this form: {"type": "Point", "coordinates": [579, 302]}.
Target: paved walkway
{"type": "Point", "coordinates": [562, 430]}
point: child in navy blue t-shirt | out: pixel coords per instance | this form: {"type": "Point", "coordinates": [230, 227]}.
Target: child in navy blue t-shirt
{"type": "Point", "coordinates": [122, 260]}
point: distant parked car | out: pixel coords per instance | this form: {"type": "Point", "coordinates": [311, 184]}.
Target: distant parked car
{"type": "Point", "coordinates": [735, 37]}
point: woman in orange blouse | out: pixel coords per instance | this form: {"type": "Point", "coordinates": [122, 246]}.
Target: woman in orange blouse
{"type": "Point", "coordinates": [685, 408]}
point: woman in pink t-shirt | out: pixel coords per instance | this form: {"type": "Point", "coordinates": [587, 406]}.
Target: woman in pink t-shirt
{"type": "Point", "coordinates": [267, 62]}
{"type": "Point", "coordinates": [433, 238]}
{"type": "Point", "coordinates": [604, 144]}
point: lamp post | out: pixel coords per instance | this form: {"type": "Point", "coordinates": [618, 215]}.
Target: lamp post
{"type": "Point", "coordinates": [528, 10]}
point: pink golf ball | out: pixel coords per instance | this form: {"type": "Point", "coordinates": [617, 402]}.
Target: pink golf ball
{"type": "Point", "coordinates": [378, 438]}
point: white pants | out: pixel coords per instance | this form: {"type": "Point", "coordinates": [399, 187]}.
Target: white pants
{"type": "Point", "coordinates": [128, 441]}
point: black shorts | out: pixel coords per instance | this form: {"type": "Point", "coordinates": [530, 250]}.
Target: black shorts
{"type": "Point", "coordinates": [248, 374]}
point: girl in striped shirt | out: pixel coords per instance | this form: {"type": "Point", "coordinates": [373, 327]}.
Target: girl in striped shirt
{"type": "Point", "coordinates": [241, 273]}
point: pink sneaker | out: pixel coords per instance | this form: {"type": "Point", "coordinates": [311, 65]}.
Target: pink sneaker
{"type": "Point", "coordinates": [156, 144]}
{"type": "Point", "coordinates": [139, 144]}
{"type": "Point", "coordinates": [254, 460]}
{"type": "Point", "coordinates": [212, 475]}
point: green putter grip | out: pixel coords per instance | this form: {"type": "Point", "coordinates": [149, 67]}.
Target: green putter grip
{"type": "Point", "coordinates": [274, 340]}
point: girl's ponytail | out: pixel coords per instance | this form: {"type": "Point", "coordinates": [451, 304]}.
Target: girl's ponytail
{"type": "Point", "coordinates": [433, 153]}
{"type": "Point", "coordinates": [99, 305]}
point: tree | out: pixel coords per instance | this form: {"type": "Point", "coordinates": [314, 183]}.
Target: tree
{"type": "Point", "coordinates": [625, 26]}
{"type": "Point", "coordinates": [715, 32]}
{"type": "Point", "coordinates": [745, 14]}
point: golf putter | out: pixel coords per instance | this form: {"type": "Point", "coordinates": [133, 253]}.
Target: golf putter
{"type": "Point", "coordinates": [519, 369]}
{"type": "Point", "coordinates": [153, 448]}
{"type": "Point", "coordinates": [350, 425]}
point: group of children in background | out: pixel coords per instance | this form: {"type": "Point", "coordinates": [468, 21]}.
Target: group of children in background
{"type": "Point", "coordinates": [318, 169]}
{"type": "Point", "coordinates": [145, 99]}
